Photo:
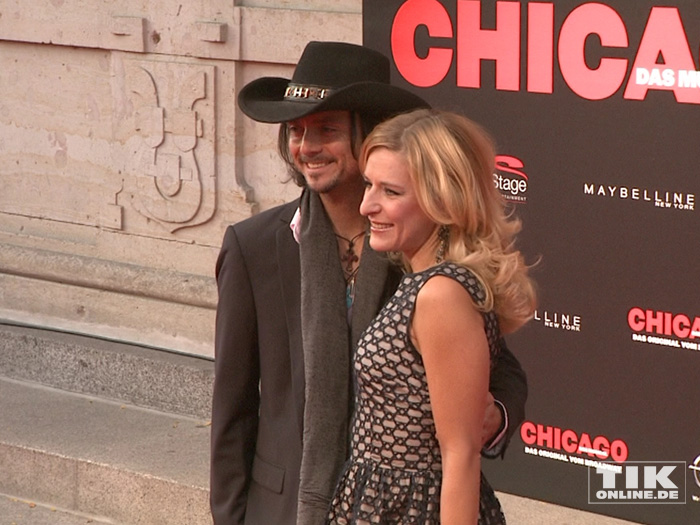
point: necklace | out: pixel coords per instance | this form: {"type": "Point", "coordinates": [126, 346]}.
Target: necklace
{"type": "Point", "coordinates": [349, 258]}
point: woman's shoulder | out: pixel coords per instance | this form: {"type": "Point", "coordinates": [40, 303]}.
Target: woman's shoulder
{"type": "Point", "coordinates": [453, 279]}
{"type": "Point", "coordinates": [444, 310]}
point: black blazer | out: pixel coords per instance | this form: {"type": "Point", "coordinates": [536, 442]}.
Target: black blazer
{"type": "Point", "coordinates": [258, 404]}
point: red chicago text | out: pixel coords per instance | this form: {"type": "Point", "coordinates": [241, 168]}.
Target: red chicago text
{"type": "Point", "coordinates": [663, 323]}
{"type": "Point", "coordinates": [567, 440]}
{"type": "Point", "coordinates": [661, 61]}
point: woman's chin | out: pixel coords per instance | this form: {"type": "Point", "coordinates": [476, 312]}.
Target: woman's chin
{"type": "Point", "coordinates": [379, 246]}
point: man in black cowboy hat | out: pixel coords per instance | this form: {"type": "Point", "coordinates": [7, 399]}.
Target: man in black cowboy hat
{"type": "Point", "coordinates": [297, 286]}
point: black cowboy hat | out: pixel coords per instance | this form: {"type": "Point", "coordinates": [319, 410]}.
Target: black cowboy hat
{"type": "Point", "coordinates": [329, 76]}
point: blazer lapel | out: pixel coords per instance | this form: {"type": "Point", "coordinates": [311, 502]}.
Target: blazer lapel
{"type": "Point", "coordinates": [290, 282]}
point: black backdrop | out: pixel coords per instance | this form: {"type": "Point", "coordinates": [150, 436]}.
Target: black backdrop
{"type": "Point", "coordinates": [602, 166]}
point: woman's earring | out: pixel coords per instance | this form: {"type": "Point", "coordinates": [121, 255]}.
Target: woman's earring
{"type": "Point", "coordinates": [444, 238]}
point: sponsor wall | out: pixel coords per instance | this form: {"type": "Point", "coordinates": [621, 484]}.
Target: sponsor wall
{"type": "Point", "coordinates": [595, 109]}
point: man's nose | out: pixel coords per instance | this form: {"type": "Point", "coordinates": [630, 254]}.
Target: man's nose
{"type": "Point", "coordinates": [310, 142]}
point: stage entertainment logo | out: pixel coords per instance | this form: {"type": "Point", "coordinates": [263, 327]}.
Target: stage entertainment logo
{"type": "Point", "coordinates": [532, 41]}
{"type": "Point", "coordinates": [569, 446]}
{"type": "Point", "coordinates": [558, 320]}
{"type": "Point", "coordinates": [668, 200]}
{"type": "Point", "coordinates": [509, 178]}
{"type": "Point", "coordinates": [676, 330]}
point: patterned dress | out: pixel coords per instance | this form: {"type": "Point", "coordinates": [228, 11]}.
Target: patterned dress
{"type": "Point", "coordinates": [394, 472]}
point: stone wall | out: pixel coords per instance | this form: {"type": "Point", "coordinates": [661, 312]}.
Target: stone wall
{"type": "Point", "coordinates": [123, 156]}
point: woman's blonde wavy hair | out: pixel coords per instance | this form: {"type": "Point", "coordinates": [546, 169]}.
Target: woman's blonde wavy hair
{"type": "Point", "coordinates": [451, 164]}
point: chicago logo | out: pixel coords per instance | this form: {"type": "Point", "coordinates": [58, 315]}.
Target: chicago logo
{"type": "Point", "coordinates": [664, 328]}
{"type": "Point", "coordinates": [567, 441]}
{"type": "Point", "coordinates": [662, 60]}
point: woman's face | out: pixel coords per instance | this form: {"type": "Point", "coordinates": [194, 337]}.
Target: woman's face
{"type": "Point", "coordinates": [397, 222]}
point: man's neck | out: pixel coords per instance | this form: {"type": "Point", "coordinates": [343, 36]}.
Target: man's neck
{"type": "Point", "coordinates": [343, 210]}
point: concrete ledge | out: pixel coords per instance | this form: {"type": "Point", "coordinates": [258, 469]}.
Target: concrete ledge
{"type": "Point", "coordinates": [112, 276]}
{"type": "Point", "coordinates": [128, 373]}
{"type": "Point", "coordinates": [16, 511]}
{"type": "Point", "coordinates": [115, 462]}
{"type": "Point", "coordinates": [101, 490]}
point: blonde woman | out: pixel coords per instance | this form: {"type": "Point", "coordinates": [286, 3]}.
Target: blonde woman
{"type": "Point", "coordinates": [422, 367]}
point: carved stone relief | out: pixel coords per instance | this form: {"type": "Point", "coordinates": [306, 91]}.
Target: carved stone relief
{"type": "Point", "coordinates": [169, 130]}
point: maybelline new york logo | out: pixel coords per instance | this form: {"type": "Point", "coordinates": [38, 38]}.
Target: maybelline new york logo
{"type": "Point", "coordinates": [558, 320]}
{"type": "Point", "coordinates": [664, 328]}
{"type": "Point", "coordinates": [528, 37]}
{"type": "Point", "coordinates": [660, 199]}
{"type": "Point", "coordinates": [510, 179]}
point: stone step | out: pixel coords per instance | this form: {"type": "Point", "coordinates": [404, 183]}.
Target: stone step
{"type": "Point", "coordinates": [142, 376]}
{"type": "Point", "coordinates": [117, 462]}
{"type": "Point", "coordinates": [15, 511]}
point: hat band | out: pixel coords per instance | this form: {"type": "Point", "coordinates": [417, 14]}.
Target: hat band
{"type": "Point", "coordinates": [300, 92]}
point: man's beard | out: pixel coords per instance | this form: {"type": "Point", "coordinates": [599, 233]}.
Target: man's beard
{"type": "Point", "coordinates": [323, 187]}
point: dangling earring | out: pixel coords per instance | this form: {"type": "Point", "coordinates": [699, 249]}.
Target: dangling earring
{"type": "Point", "coordinates": [444, 238]}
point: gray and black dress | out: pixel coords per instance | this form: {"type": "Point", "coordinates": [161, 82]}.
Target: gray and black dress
{"type": "Point", "coordinates": [394, 472]}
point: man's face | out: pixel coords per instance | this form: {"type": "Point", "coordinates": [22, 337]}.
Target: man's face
{"type": "Point", "coordinates": [321, 147]}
